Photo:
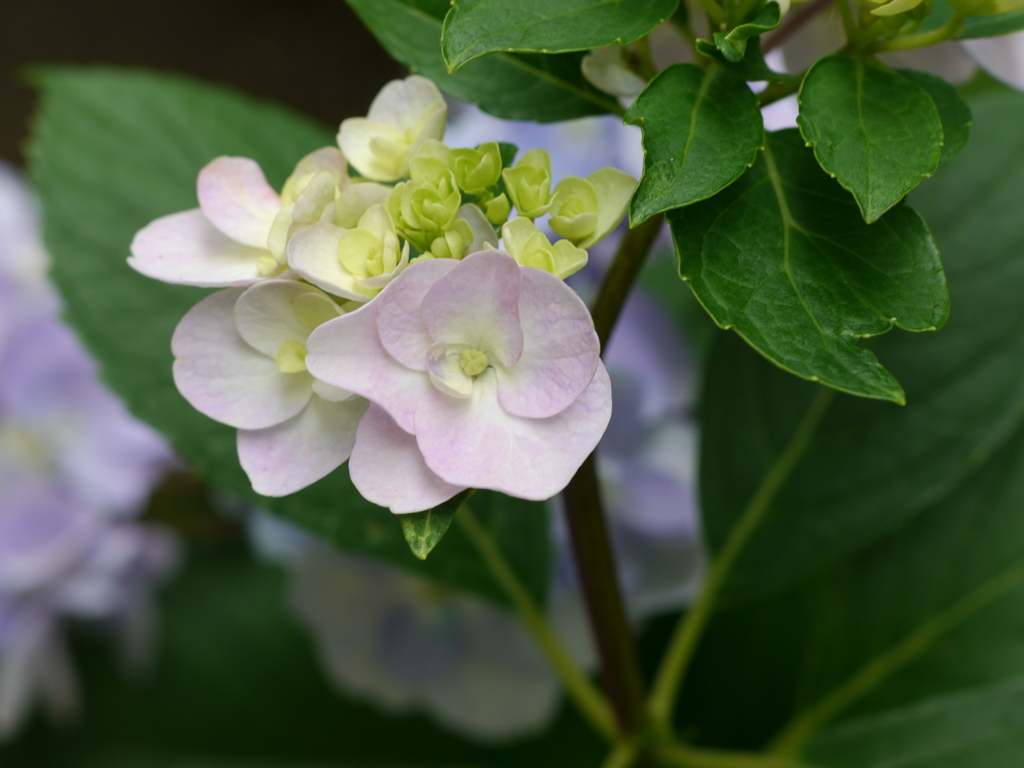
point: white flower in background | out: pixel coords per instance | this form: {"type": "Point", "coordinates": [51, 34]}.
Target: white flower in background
{"type": "Point", "coordinates": [75, 467]}
{"type": "Point", "coordinates": [606, 70]}
{"type": "Point", "coordinates": [402, 116]}
{"type": "Point", "coordinates": [238, 234]}
{"type": "Point", "coordinates": [240, 358]}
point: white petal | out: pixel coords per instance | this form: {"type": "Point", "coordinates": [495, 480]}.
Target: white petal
{"type": "Point", "coordinates": [186, 249]}
{"type": "Point", "coordinates": [347, 353]}
{"type": "Point", "coordinates": [235, 196]}
{"type": "Point", "coordinates": [357, 199]}
{"type": "Point", "coordinates": [484, 236]}
{"type": "Point", "coordinates": [1003, 57]}
{"type": "Point", "coordinates": [313, 254]}
{"type": "Point", "coordinates": [265, 315]}
{"type": "Point", "coordinates": [357, 139]}
{"type": "Point", "coordinates": [387, 468]}
{"type": "Point", "coordinates": [287, 457]}
{"type": "Point", "coordinates": [225, 378]}
{"type": "Point", "coordinates": [404, 103]}
{"type": "Point", "coordinates": [475, 443]}
{"type": "Point", "coordinates": [445, 372]}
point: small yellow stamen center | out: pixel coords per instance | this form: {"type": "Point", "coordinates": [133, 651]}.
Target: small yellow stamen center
{"type": "Point", "coordinates": [473, 362]}
{"type": "Point", "coordinates": [291, 357]}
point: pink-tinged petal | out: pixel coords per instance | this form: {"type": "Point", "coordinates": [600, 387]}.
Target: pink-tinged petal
{"type": "Point", "coordinates": [398, 312]}
{"type": "Point", "coordinates": [445, 372]}
{"type": "Point", "coordinates": [560, 349]}
{"type": "Point", "coordinates": [388, 469]}
{"type": "Point", "coordinates": [265, 314]}
{"type": "Point", "coordinates": [225, 378]}
{"type": "Point", "coordinates": [477, 304]}
{"type": "Point", "coordinates": [475, 443]}
{"type": "Point", "coordinates": [347, 353]}
{"type": "Point", "coordinates": [236, 198]}
{"type": "Point", "coordinates": [186, 249]}
{"type": "Point", "coordinates": [287, 457]}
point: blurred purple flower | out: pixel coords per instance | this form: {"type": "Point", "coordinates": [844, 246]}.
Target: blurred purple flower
{"type": "Point", "coordinates": [75, 467]}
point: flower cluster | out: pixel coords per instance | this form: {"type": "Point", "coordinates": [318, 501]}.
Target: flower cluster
{"type": "Point", "coordinates": [75, 468]}
{"type": "Point", "coordinates": [372, 317]}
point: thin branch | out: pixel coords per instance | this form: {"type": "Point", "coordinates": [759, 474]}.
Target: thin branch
{"type": "Point", "coordinates": [793, 24]}
{"type": "Point", "coordinates": [581, 690]}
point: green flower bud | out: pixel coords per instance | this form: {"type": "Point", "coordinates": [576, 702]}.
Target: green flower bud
{"type": "Point", "coordinates": [426, 205]}
{"type": "Point", "coordinates": [372, 249]}
{"type": "Point", "coordinates": [308, 193]}
{"type": "Point", "coordinates": [586, 210]}
{"type": "Point", "coordinates": [529, 183]}
{"type": "Point", "coordinates": [497, 210]}
{"type": "Point", "coordinates": [453, 243]}
{"type": "Point", "coordinates": [476, 170]}
{"type": "Point", "coordinates": [530, 248]}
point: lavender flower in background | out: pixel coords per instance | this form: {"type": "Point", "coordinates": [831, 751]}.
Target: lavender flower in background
{"type": "Point", "coordinates": [75, 468]}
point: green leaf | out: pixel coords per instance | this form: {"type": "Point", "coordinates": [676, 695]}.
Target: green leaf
{"type": "Point", "coordinates": [701, 130]}
{"type": "Point", "coordinates": [475, 28]}
{"type": "Point", "coordinates": [751, 67]}
{"type": "Point", "coordinates": [543, 88]}
{"type": "Point", "coordinates": [733, 44]}
{"type": "Point", "coordinates": [894, 545]}
{"type": "Point", "coordinates": [424, 530]}
{"type": "Point", "coordinates": [508, 153]}
{"type": "Point", "coordinates": [115, 149]}
{"type": "Point", "coordinates": [783, 257]}
{"type": "Point", "coordinates": [876, 131]}
{"type": "Point", "coordinates": [996, 25]}
{"type": "Point", "coordinates": [953, 111]}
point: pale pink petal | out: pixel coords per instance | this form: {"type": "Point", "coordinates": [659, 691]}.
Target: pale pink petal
{"type": "Point", "coordinates": [1003, 57]}
{"type": "Point", "coordinates": [474, 443]}
{"type": "Point", "coordinates": [560, 349]}
{"type": "Point", "coordinates": [186, 249]}
{"type": "Point", "coordinates": [287, 457]}
{"type": "Point", "coordinates": [225, 378]}
{"type": "Point", "coordinates": [347, 353]}
{"type": "Point", "coordinates": [398, 312]}
{"type": "Point", "coordinates": [265, 314]}
{"type": "Point", "coordinates": [236, 198]}
{"type": "Point", "coordinates": [477, 304]}
{"type": "Point", "coordinates": [387, 468]}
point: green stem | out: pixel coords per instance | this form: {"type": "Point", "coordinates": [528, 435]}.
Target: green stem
{"type": "Point", "coordinates": [946, 32]}
{"type": "Point", "coordinates": [849, 25]}
{"type": "Point", "coordinates": [620, 662]}
{"type": "Point", "coordinates": [715, 11]}
{"type": "Point", "coordinates": [687, 757]}
{"type": "Point", "coordinates": [691, 625]}
{"type": "Point", "coordinates": [618, 282]}
{"type": "Point", "coordinates": [778, 90]}
{"type": "Point", "coordinates": [579, 687]}
{"type": "Point", "coordinates": [623, 756]}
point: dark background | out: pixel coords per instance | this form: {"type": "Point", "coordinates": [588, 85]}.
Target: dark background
{"type": "Point", "coordinates": [314, 56]}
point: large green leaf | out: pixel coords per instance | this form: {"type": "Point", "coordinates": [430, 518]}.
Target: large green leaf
{"type": "Point", "coordinates": [474, 28]}
{"type": "Point", "coordinates": [539, 87]}
{"type": "Point", "coordinates": [876, 131]}
{"type": "Point", "coordinates": [701, 130]}
{"type": "Point", "coordinates": [895, 539]}
{"type": "Point", "coordinates": [975, 26]}
{"type": "Point", "coordinates": [954, 113]}
{"type": "Point", "coordinates": [783, 257]}
{"type": "Point", "coordinates": [115, 149]}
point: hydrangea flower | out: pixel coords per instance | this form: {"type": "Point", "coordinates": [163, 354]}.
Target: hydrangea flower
{"type": "Point", "coordinates": [238, 234]}
{"type": "Point", "coordinates": [483, 374]}
{"type": "Point", "coordinates": [240, 358]}
{"type": "Point", "coordinates": [402, 116]}
{"type": "Point", "coordinates": [74, 469]}
{"type": "Point", "coordinates": [530, 247]}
